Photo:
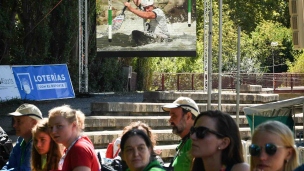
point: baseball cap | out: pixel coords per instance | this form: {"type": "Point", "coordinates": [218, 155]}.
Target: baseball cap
{"type": "Point", "coordinates": [145, 3]}
{"type": "Point", "coordinates": [183, 102]}
{"type": "Point", "coordinates": [28, 110]}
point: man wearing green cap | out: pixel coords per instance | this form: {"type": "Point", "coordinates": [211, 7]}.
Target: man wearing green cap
{"type": "Point", "coordinates": [25, 118]}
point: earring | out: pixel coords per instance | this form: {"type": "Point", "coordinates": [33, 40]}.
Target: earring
{"type": "Point", "coordinates": [218, 148]}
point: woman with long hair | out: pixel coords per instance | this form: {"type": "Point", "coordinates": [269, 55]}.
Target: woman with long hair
{"type": "Point", "coordinates": [46, 153]}
{"type": "Point", "coordinates": [216, 143]}
{"type": "Point", "coordinates": [273, 148]}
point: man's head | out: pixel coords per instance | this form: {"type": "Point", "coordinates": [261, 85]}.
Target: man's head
{"type": "Point", "coordinates": [147, 5]}
{"type": "Point", "coordinates": [26, 117]}
{"type": "Point", "coordinates": [183, 112]}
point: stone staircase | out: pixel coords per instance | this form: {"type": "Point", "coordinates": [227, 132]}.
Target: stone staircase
{"type": "Point", "coordinates": [105, 121]}
{"type": "Point", "coordinates": [108, 119]}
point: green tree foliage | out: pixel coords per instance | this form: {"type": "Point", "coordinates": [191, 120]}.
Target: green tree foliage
{"type": "Point", "coordinates": [25, 33]}
{"type": "Point", "coordinates": [7, 29]}
{"type": "Point", "coordinates": [106, 75]}
{"type": "Point", "coordinates": [297, 66]}
{"type": "Point", "coordinates": [248, 14]}
{"type": "Point", "coordinates": [256, 52]}
{"type": "Point", "coordinates": [261, 38]}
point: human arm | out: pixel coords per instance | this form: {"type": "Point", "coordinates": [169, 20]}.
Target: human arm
{"type": "Point", "coordinates": [15, 158]}
{"type": "Point", "coordinates": [142, 14]}
{"type": "Point", "coordinates": [241, 167]}
{"type": "Point", "coordinates": [12, 161]}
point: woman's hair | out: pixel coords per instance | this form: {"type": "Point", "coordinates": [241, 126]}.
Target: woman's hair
{"type": "Point", "coordinates": [70, 115]}
{"type": "Point", "coordinates": [139, 133]}
{"type": "Point", "coordinates": [137, 125]}
{"type": "Point", "coordinates": [226, 126]}
{"type": "Point", "coordinates": [281, 130]}
{"type": "Point", "coordinates": [53, 155]}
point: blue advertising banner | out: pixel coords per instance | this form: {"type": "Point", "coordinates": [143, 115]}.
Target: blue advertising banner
{"type": "Point", "coordinates": [43, 82]}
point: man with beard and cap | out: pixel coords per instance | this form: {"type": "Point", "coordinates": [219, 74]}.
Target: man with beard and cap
{"type": "Point", "coordinates": [183, 112]}
{"type": "Point", "coordinates": [25, 118]}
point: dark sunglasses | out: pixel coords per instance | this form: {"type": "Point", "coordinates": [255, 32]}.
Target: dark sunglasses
{"type": "Point", "coordinates": [270, 149]}
{"type": "Point", "coordinates": [201, 132]}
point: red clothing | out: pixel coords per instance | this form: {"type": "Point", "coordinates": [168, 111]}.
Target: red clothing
{"type": "Point", "coordinates": [81, 154]}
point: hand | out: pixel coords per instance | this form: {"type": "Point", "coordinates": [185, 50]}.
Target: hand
{"type": "Point", "coordinates": [127, 4]}
{"type": "Point", "coordinates": [137, 2]}
{"type": "Point", "coordinates": [157, 151]}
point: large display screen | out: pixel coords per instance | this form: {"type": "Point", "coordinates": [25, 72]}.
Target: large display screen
{"type": "Point", "coordinates": [123, 33]}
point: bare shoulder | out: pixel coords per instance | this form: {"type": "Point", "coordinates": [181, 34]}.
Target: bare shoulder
{"type": "Point", "coordinates": [241, 167]}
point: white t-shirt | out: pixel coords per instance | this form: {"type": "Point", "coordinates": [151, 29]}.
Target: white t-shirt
{"type": "Point", "coordinates": [157, 27]}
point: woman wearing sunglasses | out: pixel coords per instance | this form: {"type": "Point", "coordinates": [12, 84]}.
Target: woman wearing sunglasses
{"type": "Point", "coordinates": [216, 143]}
{"type": "Point", "coordinates": [273, 148]}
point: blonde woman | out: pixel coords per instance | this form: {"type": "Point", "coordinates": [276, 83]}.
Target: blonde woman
{"type": "Point", "coordinates": [66, 125]}
{"type": "Point", "coordinates": [273, 148]}
{"type": "Point", "coordinates": [46, 153]}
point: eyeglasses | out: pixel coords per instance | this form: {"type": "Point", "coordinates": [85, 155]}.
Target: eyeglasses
{"type": "Point", "coordinates": [201, 132]}
{"type": "Point", "coordinates": [270, 149]}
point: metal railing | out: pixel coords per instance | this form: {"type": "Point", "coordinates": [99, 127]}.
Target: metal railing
{"type": "Point", "coordinates": [195, 81]}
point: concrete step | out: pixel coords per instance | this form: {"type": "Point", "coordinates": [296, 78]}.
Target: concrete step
{"type": "Point", "coordinates": [251, 96]}
{"type": "Point", "coordinates": [150, 109]}
{"type": "Point", "coordinates": [298, 119]}
{"type": "Point", "coordinates": [101, 139]}
{"type": "Point", "coordinates": [95, 123]}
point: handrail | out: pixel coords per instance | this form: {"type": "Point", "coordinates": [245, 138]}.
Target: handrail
{"type": "Point", "coordinates": [194, 81]}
